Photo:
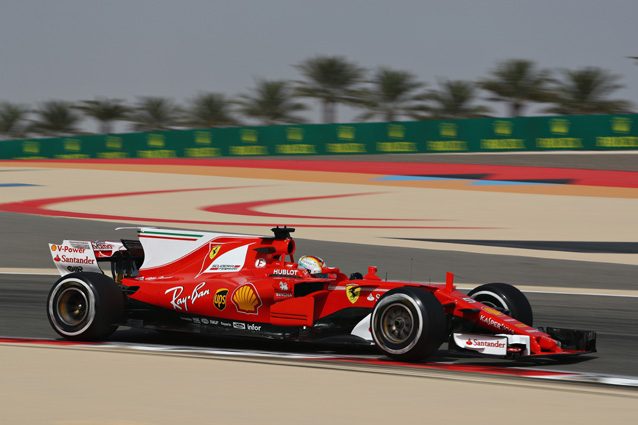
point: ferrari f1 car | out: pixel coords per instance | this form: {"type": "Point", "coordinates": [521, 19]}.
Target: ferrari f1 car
{"type": "Point", "coordinates": [250, 286]}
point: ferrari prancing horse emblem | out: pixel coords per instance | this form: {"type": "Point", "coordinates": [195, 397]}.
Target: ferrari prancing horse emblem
{"type": "Point", "coordinates": [352, 292]}
{"type": "Point", "coordinates": [213, 251]}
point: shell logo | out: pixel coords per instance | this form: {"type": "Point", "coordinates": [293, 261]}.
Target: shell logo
{"type": "Point", "coordinates": [246, 299]}
{"type": "Point", "coordinates": [54, 248]}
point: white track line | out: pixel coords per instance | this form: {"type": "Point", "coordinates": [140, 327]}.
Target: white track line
{"type": "Point", "coordinates": [558, 290]}
{"type": "Point", "coordinates": [31, 271]}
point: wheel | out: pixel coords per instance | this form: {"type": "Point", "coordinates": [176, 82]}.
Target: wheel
{"type": "Point", "coordinates": [85, 306]}
{"type": "Point", "coordinates": [408, 324]}
{"type": "Point", "coordinates": [505, 298]}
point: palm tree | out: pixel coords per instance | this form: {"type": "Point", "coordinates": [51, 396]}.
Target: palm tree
{"type": "Point", "coordinates": [13, 120]}
{"type": "Point", "coordinates": [272, 102]}
{"type": "Point", "coordinates": [394, 94]}
{"type": "Point", "coordinates": [56, 118]}
{"type": "Point", "coordinates": [454, 99]}
{"type": "Point", "coordinates": [154, 113]}
{"type": "Point", "coordinates": [332, 80]}
{"type": "Point", "coordinates": [105, 112]}
{"type": "Point", "coordinates": [209, 110]}
{"type": "Point", "coordinates": [586, 91]}
{"type": "Point", "coordinates": [518, 82]}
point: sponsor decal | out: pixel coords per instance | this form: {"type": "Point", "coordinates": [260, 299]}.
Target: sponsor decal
{"type": "Point", "coordinates": [73, 260]}
{"type": "Point", "coordinates": [219, 299]}
{"type": "Point", "coordinates": [491, 311]}
{"type": "Point", "coordinates": [68, 249]}
{"type": "Point", "coordinates": [494, 324]}
{"type": "Point", "coordinates": [201, 320]}
{"type": "Point", "coordinates": [283, 286]}
{"type": "Point", "coordinates": [285, 272]}
{"type": "Point", "coordinates": [246, 299]}
{"type": "Point", "coordinates": [283, 295]}
{"type": "Point", "coordinates": [352, 292]}
{"type": "Point", "coordinates": [213, 250]}
{"type": "Point", "coordinates": [229, 261]}
{"type": "Point", "coordinates": [74, 256]}
{"type": "Point", "coordinates": [260, 263]}
{"type": "Point", "coordinates": [74, 269]}
{"type": "Point", "coordinates": [220, 268]}
{"type": "Point", "coordinates": [246, 326]}
{"type": "Point", "coordinates": [78, 244]}
{"type": "Point", "coordinates": [102, 246]}
{"type": "Point", "coordinates": [153, 277]}
{"type": "Point", "coordinates": [180, 302]}
{"type": "Point", "coordinates": [373, 297]}
{"type": "Point", "coordinates": [486, 344]}
{"type": "Point", "coordinates": [479, 343]}
{"type": "Point", "coordinates": [469, 300]}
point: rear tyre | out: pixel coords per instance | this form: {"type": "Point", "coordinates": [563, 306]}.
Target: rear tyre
{"type": "Point", "coordinates": [408, 324]}
{"type": "Point", "coordinates": [85, 306]}
{"type": "Point", "coordinates": [506, 299]}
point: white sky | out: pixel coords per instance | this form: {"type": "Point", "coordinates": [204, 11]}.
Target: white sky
{"type": "Point", "coordinates": [75, 50]}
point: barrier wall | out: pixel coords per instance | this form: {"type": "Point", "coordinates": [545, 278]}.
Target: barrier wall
{"type": "Point", "coordinates": [584, 132]}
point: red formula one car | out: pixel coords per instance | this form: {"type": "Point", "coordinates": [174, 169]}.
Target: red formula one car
{"type": "Point", "coordinates": [250, 286]}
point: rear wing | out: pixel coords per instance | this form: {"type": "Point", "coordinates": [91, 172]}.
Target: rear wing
{"type": "Point", "coordinates": [73, 256]}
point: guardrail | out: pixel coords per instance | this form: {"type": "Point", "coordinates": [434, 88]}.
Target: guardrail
{"type": "Point", "coordinates": [582, 132]}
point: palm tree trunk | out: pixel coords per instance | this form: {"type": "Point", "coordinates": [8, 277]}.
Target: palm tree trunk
{"type": "Point", "coordinates": [329, 111]}
{"type": "Point", "coordinates": [389, 115]}
{"type": "Point", "coordinates": [516, 109]}
{"type": "Point", "coordinates": [106, 127]}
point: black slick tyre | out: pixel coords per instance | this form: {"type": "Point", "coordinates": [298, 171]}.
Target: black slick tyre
{"type": "Point", "coordinates": [85, 306]}
{"type": "Point", "coordinates": [505, 298]}
{"type": "Point", "coordinates": [408, 324]}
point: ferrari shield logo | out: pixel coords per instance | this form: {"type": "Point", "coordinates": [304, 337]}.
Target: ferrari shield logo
{"type": "Point", "coordinates": [213, 251]}
{"type": "Point", "coordinates": [352, 292]}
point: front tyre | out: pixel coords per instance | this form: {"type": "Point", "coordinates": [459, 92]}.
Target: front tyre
{"type": "Point", "coordinates": [505, 298]}
{"type": "Point", "coordinates": [85, 306]}
{"type": "Point", "coordinates": [408, 324]}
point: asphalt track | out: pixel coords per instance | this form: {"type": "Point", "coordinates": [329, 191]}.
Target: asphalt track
{"type": "Point", "coordinates": [22, 296]}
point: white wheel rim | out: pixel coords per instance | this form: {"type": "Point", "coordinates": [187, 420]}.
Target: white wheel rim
{"type": "Point", "coordinates": [419, 323]}
{"type": "Point", "coordinates": [90, 307]}
{"type": "Point", "coordinates": [497, 297]}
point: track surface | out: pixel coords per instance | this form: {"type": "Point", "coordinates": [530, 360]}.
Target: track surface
{"type": "Point", "coordinates": [22, 297]}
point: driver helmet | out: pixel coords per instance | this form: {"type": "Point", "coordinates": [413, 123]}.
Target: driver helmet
{"type": "Point", "coordinates": [313, 264]}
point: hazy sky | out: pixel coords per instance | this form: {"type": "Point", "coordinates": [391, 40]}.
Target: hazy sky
{"type": "Point", "coordinates": [79, 49]}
